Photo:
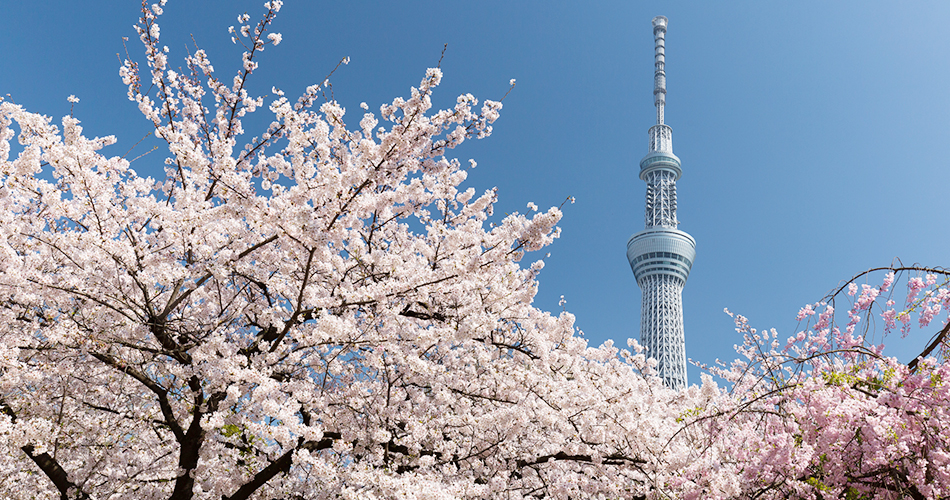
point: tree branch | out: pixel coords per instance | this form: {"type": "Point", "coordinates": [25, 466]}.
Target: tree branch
{"type": "Point", "coordinates": [282, 464]}
{"type": "Point", "coordinates": [175, 301]}
{"type": "Point", "coordinates": [937, 340]}
{"type": "Point", "coordinates": [158, 390]}
{"type": "Point", "coordinates": [49, 465]}
{"type": "Point", "coordinates": [615, 459]}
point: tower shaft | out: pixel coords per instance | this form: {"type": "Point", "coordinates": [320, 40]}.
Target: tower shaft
{"type": "Point", "coordinates": [661, 255]}
{"type": "Point", "coordinates": [661, 326]}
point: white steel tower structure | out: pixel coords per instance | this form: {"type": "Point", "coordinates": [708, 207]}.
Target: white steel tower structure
{"type": "Point", "coordinates": [661, 255]}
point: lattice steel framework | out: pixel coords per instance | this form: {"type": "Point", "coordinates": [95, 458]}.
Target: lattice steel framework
{"type": "Point", "coordinates": [661, 199]}
{"type": "Point", "coordinates": [661, 326]}
{"type": "Point", "coordinates": [661, 255]}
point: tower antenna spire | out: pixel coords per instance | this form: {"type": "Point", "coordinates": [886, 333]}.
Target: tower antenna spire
{"type": "Point", "coordinates": [661, 255]}
{"type": "Point", "coordinates": [659, 73]}
{"type": "Point", "coordinates": [661, 136]}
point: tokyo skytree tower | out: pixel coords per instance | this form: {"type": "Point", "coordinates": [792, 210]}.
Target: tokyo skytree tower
{"type": "Point", "coordinates": [661, 255]}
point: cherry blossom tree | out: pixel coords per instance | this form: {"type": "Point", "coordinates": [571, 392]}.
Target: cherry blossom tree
{"type": "Point", "coordinates": [826, 414]}
{"type": "Point", "coordinates": [317, 311]}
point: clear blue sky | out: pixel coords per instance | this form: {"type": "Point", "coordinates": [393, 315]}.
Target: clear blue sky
{"type": "Point", "coordinates": [813, 135]}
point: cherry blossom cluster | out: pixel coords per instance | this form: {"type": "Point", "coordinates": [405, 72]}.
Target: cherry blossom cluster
{"type": "Point", "coordinates": [826, 414]}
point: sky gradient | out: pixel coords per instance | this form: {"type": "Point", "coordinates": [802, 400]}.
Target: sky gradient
{"type": "Point", "coordinates": [813, 135]}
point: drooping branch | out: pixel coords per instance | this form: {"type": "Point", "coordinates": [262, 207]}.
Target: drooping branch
{"type": "Point", "coordinates": [897, 269]}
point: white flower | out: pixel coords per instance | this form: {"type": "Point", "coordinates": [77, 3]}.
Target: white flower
{"type": "Point", "coordinates": [275, 38]}
{"type": "Point", "coordinates": [434, 75]}
{"type": "Point", "coordinates": [73, 99]}
{"type": "Point", "coordinates": [511, 82]}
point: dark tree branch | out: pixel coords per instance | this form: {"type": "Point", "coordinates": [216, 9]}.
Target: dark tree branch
{"type": "Point", "coordinates": [615, 459]}
{"type": "Point", "coordinates": [938, 339]}
{"type": "Point", "coordinates": [151, 385]}
{"type": "Point", "coordinates": [282, 464]}
{"type": "Point", "coordinates": [67, 489]}
{"type": "Point", "coordinates": [193, 439]}
{"type": "Point", "coordinates": [409, 313]}
{"type": "Point", "coordinates": [49, 465]}
{"type": "Point", "coordinates": [175, 301]}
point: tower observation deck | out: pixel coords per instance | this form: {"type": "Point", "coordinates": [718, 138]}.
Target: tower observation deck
{"type": "Point", "coordinates": [661, 255]}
